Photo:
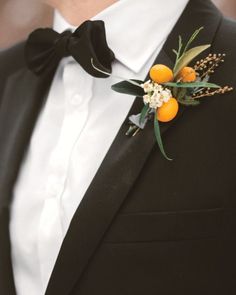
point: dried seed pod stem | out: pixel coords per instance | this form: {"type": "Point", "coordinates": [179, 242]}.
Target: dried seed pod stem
{"type": "Point", "coordinates": [207, 92]}
{"type": "Point", "coordinates": [206, 67]}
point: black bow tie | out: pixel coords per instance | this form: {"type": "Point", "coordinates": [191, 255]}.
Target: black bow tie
{"type": "Point", "coordinates": [45, 48]}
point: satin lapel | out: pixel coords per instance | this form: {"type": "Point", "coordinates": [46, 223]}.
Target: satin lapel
{"type": "Point", "coordinates": [22, 101]}
{"type": "Point", "coordinates": [120, 168]}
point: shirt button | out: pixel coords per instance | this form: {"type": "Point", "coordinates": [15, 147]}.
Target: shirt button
{"type": "Point", "coordinates": [76, 100]}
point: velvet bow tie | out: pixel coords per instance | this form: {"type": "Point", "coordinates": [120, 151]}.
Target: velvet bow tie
{"type": "Point", "coordinates": [45, 48]}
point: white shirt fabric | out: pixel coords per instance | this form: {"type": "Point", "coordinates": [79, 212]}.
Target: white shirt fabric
{"type": "Point", "coordinates": [73, 133]}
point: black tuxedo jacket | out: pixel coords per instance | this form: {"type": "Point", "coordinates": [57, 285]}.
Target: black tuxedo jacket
{"type": "Point", "coordinates": [145, 225]}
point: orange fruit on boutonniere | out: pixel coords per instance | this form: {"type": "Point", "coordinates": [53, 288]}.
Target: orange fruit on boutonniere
{"type": "Point", "coordinates": [168, 110]}
{"type": "Point", "coordinates": [187, 74]}
{"type": "Point", "coordinates": [161, 74]}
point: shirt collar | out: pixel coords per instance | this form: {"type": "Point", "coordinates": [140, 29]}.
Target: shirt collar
{"type": "Point", "coordinates": [134, 28]}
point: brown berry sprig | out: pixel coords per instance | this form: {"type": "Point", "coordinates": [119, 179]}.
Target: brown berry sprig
{"type": "Point", "coordinates": [208, 92]}
{"type": "Point", "coordinates": [206, 67]}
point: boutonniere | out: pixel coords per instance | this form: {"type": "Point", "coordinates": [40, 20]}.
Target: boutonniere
{"type": "Point", "coordinates": [168, 88]}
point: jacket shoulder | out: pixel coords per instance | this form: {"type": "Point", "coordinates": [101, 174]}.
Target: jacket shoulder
{"type": "Point", "coordinates": [225, 36]}
{"type": "Point", "coordinates": [224, 42]}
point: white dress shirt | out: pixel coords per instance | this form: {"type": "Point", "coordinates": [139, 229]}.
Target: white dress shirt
{"type": "Point", "coordinates": [73, 133]}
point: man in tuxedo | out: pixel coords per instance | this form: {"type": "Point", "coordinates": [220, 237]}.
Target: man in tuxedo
{"type": "Point", "coordinates": [86, 210]}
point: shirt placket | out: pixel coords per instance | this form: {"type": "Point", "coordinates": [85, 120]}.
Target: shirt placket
{"type": "Point", "coordinates": [78, 92]}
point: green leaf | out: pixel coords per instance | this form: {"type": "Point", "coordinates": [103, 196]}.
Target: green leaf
{"type": "Point", "coordinates": [126, 87]}
{"type": "Point", "coordinates": [188, 101]}
{"type": "Point", "coordinates": [175, 91]}
{"type": "Point", "coordinates": [182, 93]}
{"type": "Point", "coordinates": [180, 44]}
{"type": "Point", "coordinates": [178, 53]}
{"type": "Point", "coordinates": [175, 52]}
{"type": "Point", "coordinates": [191, 85]}
{"type": "Point", "coordinates": [184, 99]}
{"type": "Point", "coordinates": [192, 38]}
{"type": "Point", "coordinates": [143, 113]}
{"type": "Point", "coordinates": [188, 57]}
{"type": "Point", "coordinates": [135, 82]}
{"type": "Point", "coordinates": [158, 138]}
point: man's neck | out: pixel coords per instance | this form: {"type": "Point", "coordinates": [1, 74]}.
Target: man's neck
{"type": "Point", "coordinates": [77, 11]}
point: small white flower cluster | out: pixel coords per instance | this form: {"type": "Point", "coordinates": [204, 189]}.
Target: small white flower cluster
{"type": "Point", "coordinates": [156, 94]}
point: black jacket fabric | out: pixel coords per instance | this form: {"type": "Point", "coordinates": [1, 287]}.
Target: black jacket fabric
{"type": "Point", "coordinates": [145, 225]}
